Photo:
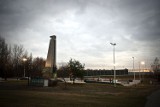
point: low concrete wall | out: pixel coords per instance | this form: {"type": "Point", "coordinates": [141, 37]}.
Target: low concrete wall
{"type": "Point", "coordinates": [134, 82]}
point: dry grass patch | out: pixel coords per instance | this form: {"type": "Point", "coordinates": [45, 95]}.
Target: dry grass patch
{"type": "Point", "coordinates": [18, 94]}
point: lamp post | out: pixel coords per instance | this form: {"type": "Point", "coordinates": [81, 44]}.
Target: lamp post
{"type": "Point", "coordinates": [139, 71]}
{"type": "Point", "coordinates": [114, 44]}
{"type": "Point", "coordinates": [133, 68]}
{"type": "Point", "coordinates": [24, 60]}
{"type": "Point", "coordinates": [143, 63]}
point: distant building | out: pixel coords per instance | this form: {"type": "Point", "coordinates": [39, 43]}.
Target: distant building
{"type": "Point", "coordinates": [105, 72]}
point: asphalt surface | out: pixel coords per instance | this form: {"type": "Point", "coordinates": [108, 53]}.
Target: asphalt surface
{"type": "Point", "coordinates": [153, 100]}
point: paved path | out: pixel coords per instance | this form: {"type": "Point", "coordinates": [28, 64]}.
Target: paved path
{"type": "Point", "coordinates": [153, 99]}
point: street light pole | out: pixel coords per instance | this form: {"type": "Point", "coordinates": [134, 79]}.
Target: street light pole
{"type": "Point", "coordinates": [139, 71]}
{"type": "Point", "coordinates": [114, 44]}
{"type": "Point", "coordinates": [133, 68]}
{"type": "Point", "coordinates": [143, 63]}
{"type": "Point", "coordinates": [24, 60]}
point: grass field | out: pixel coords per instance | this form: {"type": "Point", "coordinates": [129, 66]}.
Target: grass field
{"type": "Point", "coordinates": [18, 94]}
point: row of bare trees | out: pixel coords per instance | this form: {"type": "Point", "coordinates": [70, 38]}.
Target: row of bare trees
{"type": "Point", "coordinates": [13, 65]}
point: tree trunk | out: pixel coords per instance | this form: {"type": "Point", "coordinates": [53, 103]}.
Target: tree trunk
{"type": "Point", "coordinates": [65, 84]}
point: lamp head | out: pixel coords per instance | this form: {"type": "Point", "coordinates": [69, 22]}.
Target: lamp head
{"type": "Point", "coordinates": [142, 62]}
{"type": "Point", "coordinates": [113, 44]}
{"type": "Point", "coordinates": [24, 59]}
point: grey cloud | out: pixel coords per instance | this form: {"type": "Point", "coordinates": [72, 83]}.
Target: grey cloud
{"type": "Point", "coordinates": [84, 27]}
{"type": "Point", "coordinates": [143, 19]}
{"type": "Point", "coordinates": [19, 14]}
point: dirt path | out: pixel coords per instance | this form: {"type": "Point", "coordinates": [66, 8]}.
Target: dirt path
{"type": "Point", "coordinates": [153, 100]}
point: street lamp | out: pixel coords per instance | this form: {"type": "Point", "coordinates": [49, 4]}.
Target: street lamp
{"type": "Point", "coordinates": [133, 68]}
{"type": "Point", "coordinates": [114, 44]}
{"type": "Point", "coordinates": [24, 60]}
{"type": "Point", "coordinates": [139, 71]}
{"type": "Point", "coordinates": [143, 63]}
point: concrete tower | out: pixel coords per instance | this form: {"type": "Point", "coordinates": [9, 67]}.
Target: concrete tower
{"type": "Point", "coordinates": [51, 57]}
{"type": "Point", "coordinates": [50, 66]}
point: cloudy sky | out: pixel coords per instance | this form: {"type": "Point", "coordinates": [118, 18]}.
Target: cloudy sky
{"type": "Point", "coordinates": [84, 29]}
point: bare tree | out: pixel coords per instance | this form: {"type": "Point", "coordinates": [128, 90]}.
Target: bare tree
{"type": "Point", "coordinates": [4, 58]}
{"type": "Point", "coordinates": [76, 69]}
{"type": "Point", "coordinates": [156, 65]}
{"type": "Point", "coordinates": [17, 53]}
{"type": "Point", "coordinates": [12, 64]}
{"type": "Point", "coordinates": [63, 72]}
{"type": "Point", "coordinates": [38, 65]}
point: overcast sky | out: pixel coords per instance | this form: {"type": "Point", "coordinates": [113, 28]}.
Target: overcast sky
{"type": "Point", "coordinates": [84, 29]}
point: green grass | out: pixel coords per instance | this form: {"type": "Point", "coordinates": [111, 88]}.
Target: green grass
{"type": "Point", "coordinates": [18, 94]}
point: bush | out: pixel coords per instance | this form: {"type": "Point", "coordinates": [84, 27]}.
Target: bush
{"type": "Point", "coordinates": [53, 83]}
